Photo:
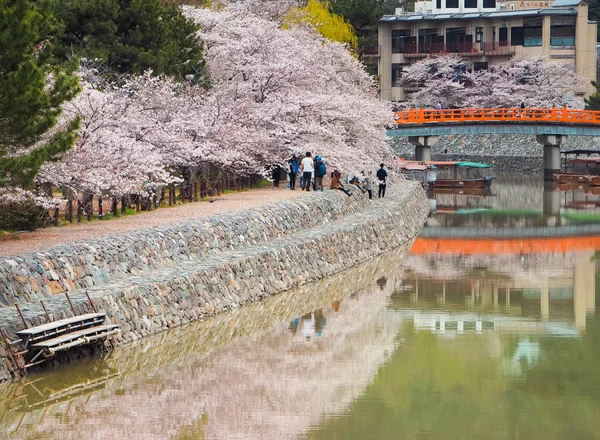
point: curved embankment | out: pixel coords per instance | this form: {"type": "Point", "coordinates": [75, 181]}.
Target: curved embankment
{"type": "Point", "coordinates": [162, 277]}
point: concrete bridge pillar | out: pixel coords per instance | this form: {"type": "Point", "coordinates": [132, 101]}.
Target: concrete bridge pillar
{"type": "Point", "coordinates": [551, 143]}
{"type": "Point", "coordinates": [551, 199]}
{"type": "Point", "coordinates": [423, 146]}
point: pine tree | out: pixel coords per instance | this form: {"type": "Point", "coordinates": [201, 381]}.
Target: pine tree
{"type": "Point", "coordinates": [131, 36]}
{"type": "Point", "coordinates": [593, 102]}
{"type": "Point", "coordinates": [32, 90]}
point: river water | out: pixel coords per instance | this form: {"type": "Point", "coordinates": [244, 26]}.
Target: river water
{"type": "Point", "coordinates": [487, 330]}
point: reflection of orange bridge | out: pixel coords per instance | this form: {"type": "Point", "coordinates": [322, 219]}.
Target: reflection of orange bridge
{"type": "Point", "coordinates": [481, 246]}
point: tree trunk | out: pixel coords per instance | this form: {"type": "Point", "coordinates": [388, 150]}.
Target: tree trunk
{"type": "Point", "coordinates": [114, 206]}
{"type": "Point", "coordinates": [69, 213]}
{"type": "Point", "coordinates": [79, 210]}
{"type": "Point", "coordinates": [89, 207]}
{"type": "Point", "coordinates": [100, 213]}
{"type": "Point", "coordinates": [123, 206]}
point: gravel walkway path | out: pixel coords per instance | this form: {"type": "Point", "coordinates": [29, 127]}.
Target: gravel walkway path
{"type": "Point", "coordinates": [46, 238]}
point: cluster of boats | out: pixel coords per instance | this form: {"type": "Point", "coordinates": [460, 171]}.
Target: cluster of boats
{"type": "Point", "coordinates": [447, 176]}
{"type": "Point", "coordinates": [579, 172]}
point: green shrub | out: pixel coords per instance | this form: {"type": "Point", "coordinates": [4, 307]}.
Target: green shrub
{"type": "Point", "coordinates": [19, 216]}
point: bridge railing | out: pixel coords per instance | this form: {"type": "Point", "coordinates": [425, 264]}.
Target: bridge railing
{"type": "Point", "coordinates": [482, 115]}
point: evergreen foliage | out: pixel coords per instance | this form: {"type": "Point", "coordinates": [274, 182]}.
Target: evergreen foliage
{"type": "Point", "coordinates": [593, 102]}
{"type": "Point", "coordinates": [131, 36]}
{"type": "Point", "coordinates": [32, 92]}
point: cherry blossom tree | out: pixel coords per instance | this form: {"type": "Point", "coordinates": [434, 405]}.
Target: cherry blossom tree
{"type": "Point", "coordinates": [533, 81]}
{"type": "Point", "coordinates": [274, 92]}
{"type": "Point", "coordinates": [292, 90]}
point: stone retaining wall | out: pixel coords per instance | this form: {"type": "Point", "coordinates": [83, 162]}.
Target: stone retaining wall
{"type": "Point", "coordinates": [509, 153]}
{"type": "Point", "coordinates": [252, 255]}
{"type": "Point", "coordinates": [94, 262]}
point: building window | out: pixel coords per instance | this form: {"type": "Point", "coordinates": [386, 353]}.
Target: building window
{"type": "Point", "coordinates": [398, 40]}
{"type": "Point", "coordinates": [516, 36]}
{"type": "Point", "coordinates": [471, 4]}
{"type": "Point", "coordinates": [503, 36]}
{"type": "Point", "coordinates": [451, 4]}
{"type": "Point", "coordinates": [532, 32]}
{"type": "Point", "coordinates": [438, 4]}
{"type": "Point", "coordinates": [396, 73]}
{"type": "Point", "coordinates": [489, 4]}
{"type": "Point", "coordinates": [477, 66]}
{"type": "Point", "coordinates": [562, 31]}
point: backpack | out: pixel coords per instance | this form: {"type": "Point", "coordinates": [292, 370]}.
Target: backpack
{"type": "Point", "coordinates": [321, 168]}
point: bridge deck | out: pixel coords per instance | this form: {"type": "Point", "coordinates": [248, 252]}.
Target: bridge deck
{"type": "Point", "coordinates": [420, 122]}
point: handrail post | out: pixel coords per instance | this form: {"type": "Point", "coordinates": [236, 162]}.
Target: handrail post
{"type": "Point", "coordinates": [421, 118]}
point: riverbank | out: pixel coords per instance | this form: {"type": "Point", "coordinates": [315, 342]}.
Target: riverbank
{"type": "Point", "coordinates": [54, 236]}
{"type": "Point", "coordinates": [151, 280]}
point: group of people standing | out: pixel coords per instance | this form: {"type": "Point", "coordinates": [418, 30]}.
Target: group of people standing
{"type": "Point", "coordinates": [312, 171]}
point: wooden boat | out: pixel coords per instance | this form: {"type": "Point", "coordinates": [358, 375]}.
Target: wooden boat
{"type": "Point", "coordinates": [594, 181]}
{"type": "Point", "coordinates": [471, 175]}
{"type": "Point", "coordinates": [563, 178]}
{"type": "Point", "coordinates": [464, 183]}
{"type": "Point", "coordinates": [570, 186]}
{"type": "Point", "coordinates": [461, 190]}
{"type": "Point", "coordinates": [427, 174]}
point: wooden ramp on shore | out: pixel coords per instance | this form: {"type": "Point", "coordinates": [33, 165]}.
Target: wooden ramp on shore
{"type": "Point", "coordinates": [38, 344]}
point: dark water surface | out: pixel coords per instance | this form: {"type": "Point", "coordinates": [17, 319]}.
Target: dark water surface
{"type": "Point", "coordinates": [487, 330]}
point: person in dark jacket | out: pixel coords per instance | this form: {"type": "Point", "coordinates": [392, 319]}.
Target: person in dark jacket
{"type": "Point", "coordinates": [382, 177]}
{"type": "Point", "coordinates": [276, 175]}
{"type": "Point", "coordinates": [294, 170]}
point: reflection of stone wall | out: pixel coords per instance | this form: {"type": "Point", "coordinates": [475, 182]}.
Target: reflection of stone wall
{"type": "Point", "coordinates": [238, 375]}
{"type": "Point", "coordinates": [195, 286]}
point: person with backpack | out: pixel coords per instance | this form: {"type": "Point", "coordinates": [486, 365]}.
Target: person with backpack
{"type": "Point", "coordinates": [320, 172]}
{"type": "Point", "coordinates": [294, 170]}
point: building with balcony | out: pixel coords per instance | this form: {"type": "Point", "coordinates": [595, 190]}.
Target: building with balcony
{"type": "Point", "coordinates": [485, 33]}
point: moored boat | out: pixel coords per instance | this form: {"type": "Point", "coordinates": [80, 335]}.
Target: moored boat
{"type": "Point", "coordinates": [569, 178]}
{"type": "Point", "coordinates": [468, 175]}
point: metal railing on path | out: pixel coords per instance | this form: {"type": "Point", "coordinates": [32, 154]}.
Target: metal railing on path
{"type": "Point", "coordinates": [484, 115]}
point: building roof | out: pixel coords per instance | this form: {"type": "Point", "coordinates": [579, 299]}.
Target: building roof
{"type": "Point", "coordinates": [565, 3]}
{"type": "Point", "coordinates": [473, 15]}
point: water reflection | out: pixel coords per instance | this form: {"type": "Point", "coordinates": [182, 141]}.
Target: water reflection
{"type": "Point", "coordinates": [481, 337]}
{"type": "Point", "coordinates": [270, 370]}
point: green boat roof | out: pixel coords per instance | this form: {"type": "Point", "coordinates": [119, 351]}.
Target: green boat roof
{"type": "Point", "coordinates": [473, 165]}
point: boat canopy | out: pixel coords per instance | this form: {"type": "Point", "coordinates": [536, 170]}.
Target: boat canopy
{"type": "Point", "coordinates": [414, 165]}
{"type": "Point", "coordinates": [455, 164]}
{"type": "Point", "coordinates": [587, 160]}
{"type": "Point", "coordinates": [473, 165]}
{"type": "Point", "coordinates": [587, 152]}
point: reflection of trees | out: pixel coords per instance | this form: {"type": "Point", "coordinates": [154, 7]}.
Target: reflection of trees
{"type": "Point", "coordinates": [242, 374]}
{"type": "Point", "coordinates": [455, 389]}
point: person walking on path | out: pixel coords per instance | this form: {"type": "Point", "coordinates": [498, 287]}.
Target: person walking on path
{"type": "Point", "coordinates": [438, 106]}
{"type": "Point", "coordinates": [276, 175]}
{"type": "Point", "coordinates": [369, 184]}
{"type": "Point", "coordinates": [307, 167]}
{"type": "Point", "coordinates": [320, 172]}
{"type": "Point", "coordinates": [294, 169]}
{"type": "Point", "coordinates": [382, 176]}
